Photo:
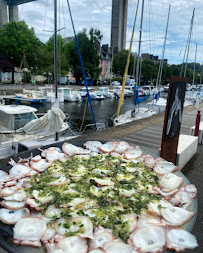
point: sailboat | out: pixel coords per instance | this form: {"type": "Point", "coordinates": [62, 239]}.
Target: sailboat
{"type": "Point", "coordinates": [157, 101]}
{"type": "Point", "coordinates": [139, 112]}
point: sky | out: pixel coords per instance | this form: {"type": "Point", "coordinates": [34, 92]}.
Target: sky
{"type": "Point", "coordinates": [97, 14]}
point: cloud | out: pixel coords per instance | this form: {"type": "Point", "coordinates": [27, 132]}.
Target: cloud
{"type": "Point", "coordinates": [97, 14]}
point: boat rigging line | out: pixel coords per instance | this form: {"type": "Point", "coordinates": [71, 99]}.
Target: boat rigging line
{"type": "Point", "coordinates": [127, 65]}
{"type": "Point", "coordinates": [139, 47]}
{"type": "Point", "coordinates": [83, 70]}
{"type": "Point", "coordinates": [159, 76]}
{"type": "Point", "coordinates": [187, 48]}
{"type": "Point", "coordinates": [193, 80]}
{"type": "Point", "coordinates": [55, 55]}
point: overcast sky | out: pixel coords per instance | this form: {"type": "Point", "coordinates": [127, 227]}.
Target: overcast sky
{"type": "Point", "coordinates": [97, 14]}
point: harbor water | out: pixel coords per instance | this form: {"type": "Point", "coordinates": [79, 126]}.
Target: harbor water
{"type": "Point", "coordinates": [103, 110]}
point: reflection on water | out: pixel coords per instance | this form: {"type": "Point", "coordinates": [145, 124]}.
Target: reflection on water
{"type": "Point", "coordinates": [103, 109]}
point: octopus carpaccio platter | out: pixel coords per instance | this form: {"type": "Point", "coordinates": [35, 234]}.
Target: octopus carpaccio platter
{"type": "Point", "coordinates": [108, 198]}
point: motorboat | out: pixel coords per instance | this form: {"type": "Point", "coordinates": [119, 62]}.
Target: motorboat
{"type": "Point", "coordinates": [50, 95]}
{"type": "Point", "coordinates": [105, 92]}
{"type": "Point", "coordinates": [92, 92]}
{"type": "Point", "coordinates": [148, 89]}
{"type": "Point", "coordinates": [130, 91]}
{"type": "Point", "coordinates": [12, 118]}
{"type": "Point", "coordinates": [117, 91]}
{"type": "Point", "coordinates": [166, 88]}
{"type": "Point", "coordinates": [69, 94]}
{"type": "Point", "coordinates": [20, 123]}
{"type": "Point", "coordinates": [30, 96]}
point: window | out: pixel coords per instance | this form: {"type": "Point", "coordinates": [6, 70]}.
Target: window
{"type": "Point", "coordinates": [22, 119]}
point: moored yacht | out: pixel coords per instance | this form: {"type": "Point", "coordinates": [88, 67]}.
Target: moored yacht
{"type": "Point", "coordinates": [19, 123]}
{"type": "Point", "coordinates": [105, 92]}
{"type": "Point", "coordinates": [92, 92]}
{"type": "Point", "coordinates": [69, 94]}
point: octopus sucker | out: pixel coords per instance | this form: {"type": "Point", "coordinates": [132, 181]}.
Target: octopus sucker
{"type": "Point", "coordinates": [176, 216]}
{"type": "Point", "coordinates": [162, 168]}
{"type": "Point", "coordinates": [179, 240]}
{"type": "Point", "coordinates": [115, 247]}
{"type": "Point", "coordinates": [41, 165]}
{"type": "Point", "coordinates": [93, 145]}
{"type": "Point", "coordinates": [100, 236]}
{"type": "Point", "coordinates": [109, 147]}
{"type": "Point", "coordinates": [12, 216]}
{"type": "Point", "coordinates": [19, 171]}
{"type": "Point", "coordinates": [148, 239]}
{"type": "Point", "coordinates": [29, 231]}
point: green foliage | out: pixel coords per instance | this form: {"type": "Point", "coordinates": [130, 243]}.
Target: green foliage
{"type": "Point", "coordinates": [150, 69]}
{"type": "Point", "coordinates": [95, 35]}
{"type": "Point", "coordinates": [16, 37]}
{"type": "Point", "coordinates": [62, 57]}
{"type": "Point", "coordinates": [89, 55]}
{"type": "Point", "coordinates": [119, 63]}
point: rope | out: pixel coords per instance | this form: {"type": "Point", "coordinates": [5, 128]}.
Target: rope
{"type": "Point", "coordinates": [84, 115]}
{"type": "Point", "coordinates": [80, 118]}
{"type": "Point", "coordinates": [83, 70]}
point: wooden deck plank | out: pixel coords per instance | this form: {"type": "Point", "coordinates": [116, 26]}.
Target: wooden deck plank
{"type": "Point", "coordinates": [150, 138]}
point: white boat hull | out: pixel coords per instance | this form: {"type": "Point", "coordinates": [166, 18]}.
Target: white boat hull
{"type": "Point", "coordinates": [129, 116]}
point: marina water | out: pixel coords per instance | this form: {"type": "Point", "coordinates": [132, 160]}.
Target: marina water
{"type": "Point", "coordinates": [103, 110]}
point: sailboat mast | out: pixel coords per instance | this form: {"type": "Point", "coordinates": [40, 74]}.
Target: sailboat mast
{"type": "Point", "coordinates": [55, 55]}
{"type": "Point", "coordinates": [193, 81]}
{"type": "Point", "coordinates": [55, 49]}
{"type": "Point", "coordinates": [192, 20]}
{"type": "Point", "coordinates": [159, 76]}
{"type": "Point", "coordinates": [139, 47]}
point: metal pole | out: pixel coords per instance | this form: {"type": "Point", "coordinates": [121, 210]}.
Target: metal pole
{"type": "Point", "coordinates": [193, 80]}
{"type": "Point", "coordinates": [111, 64]}
{"type": "Point", "coordinates": [162, 61]}
{"type": "Point", "coordinates": [138, 55]}
{"type": "Point", "coordinates": [55, 55]}
{"type": "Point", "coordinates": [189, 42]}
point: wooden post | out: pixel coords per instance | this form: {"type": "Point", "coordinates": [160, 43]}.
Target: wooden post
{"type": "Point", "coordinates": [198, 117]}
{"type": "Point", "coordinates": [173, 118]}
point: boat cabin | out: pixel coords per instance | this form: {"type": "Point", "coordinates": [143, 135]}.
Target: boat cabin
{"type": "Point", "coordinates": [13, 117]}
{"type": "Point", "coordinates": [64, 91]}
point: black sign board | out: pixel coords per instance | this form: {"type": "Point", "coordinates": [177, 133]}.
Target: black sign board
{"type": "Point", "coordinates": [175, 109]}
{"type": "Point", "coordinates": [173, 117]}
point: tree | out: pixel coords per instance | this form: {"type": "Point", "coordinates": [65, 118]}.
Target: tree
{"type": "Point", "coordinates": [89, 55]}
{"type": "Point", "coordinates": [16, 37]}
{"type": "Point", "coordinates": [119, 63]}
{"type": "Point", "coordinates": [95, 36]}
{"type": "Point", "coordinates": [62, 53]}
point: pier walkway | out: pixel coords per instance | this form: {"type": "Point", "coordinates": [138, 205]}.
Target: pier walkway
{"type": "Point", "coordinates": [146, 133]}
{"type": "Point", "coordinates": [150, 138]}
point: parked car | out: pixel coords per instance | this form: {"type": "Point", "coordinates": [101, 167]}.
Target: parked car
{"type": "Point", "coordinates": [90, 81]}
{"type": "Point", "coordinates": [115, 83]}
{"type": "Point", "coordinates": [99, 83]}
